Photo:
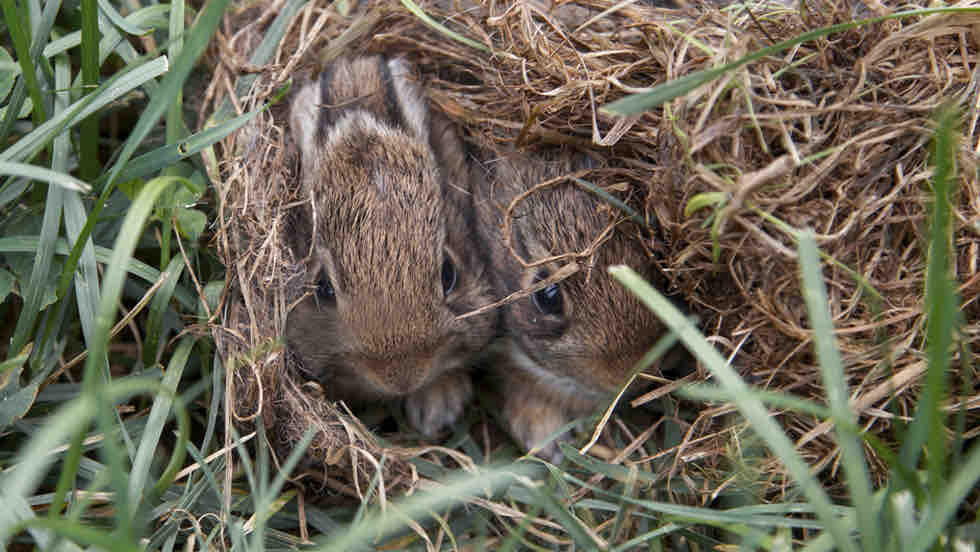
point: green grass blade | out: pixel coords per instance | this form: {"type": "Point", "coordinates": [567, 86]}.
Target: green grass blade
{"type": "Point", "coordinates": [143, 271]}
{"type": "Point", "coordinates": [173, 82]}
{"type": "Point", "coordinates": [941, 304]}
{"type": "Point", "coordinates": [118, 20]}
{"type": "Point", "coordinates": [108, 92]}
{"type": "Point", "coordinates": [776, 399]}
{"type": "Point", "coordinates": [635, 542]}
{"type": "Point", "coordinates": [548, 502]}
{"type": "Point", "coordinates": [35, 458]}
{"type": "Point", "coordinates": [87, 293]}
{"type": "Point", "coordinates": [159, 414]}
{"type": "Point", "coordinates": [13, 363]}
{"type": "Point", "coordinates": [714, 516]}
{"type": "Point", "coordinates": [417, 11]}
{"type": "Point", "coordinates": [785, 401]}
{"type": "Point", "coordinates": [270, 500]}
{"type": "Point", "coordinates": [15, 509]}
{"type": "Point", "coordinates": [94, 537]}
{"type": "Point", "coordinates": [14, 105]}
{"type": "Point", "coordinates": [68, 480]}
{"type": "Point", "coordinates": [165, 156]}
{"type": "Point", "coordinates": [612, 200]}
{"type": "Point", "coordinates": [246, 462]}
{"type": "Point", "coordinates": [96, 369]}
{"type": "Point", "coordinates": [751, 408]}
{"type": "Point", "coordinates": [16, 400]}
{"type": "Point", "coordinates": [660, 94]}
{"type": "Point", "coordinates": [115, 276]}
{"type": "Point", "coordinates": [927, 429]}
{"type": "Point", "coordinates": [34, 172]}
{"type": "Point", "coordinates": [941, 301]}
{"type": "Point", "coordinates": [376, 526]}
{"type": "Point", "coordinates": [18, 25]}
{"type": "Point", "coordinates": [158, 308]}
{"type": "Point", "coordinates": [41, 30]}
{"type": "Point", "coordinates": [175, 128]}
{"type": "Point", "coordinates": [175, 115]}
{"type": "Point", "coordinates": [944, 507]}
{"type": "Point", "coordinates": [149, 16]}
{"type": "Point", "coordinates": [18, 481]}
{"type": "Point", "coordinates": [217, 396]}
{"type": "Point", "coordinates": [835, 384]}
{"type": "Point", "coordinates": [275, 33]}
{"type": "Point", "coordinates": [51, 224]}
{"type": "Point", "coordinates": [115, 42]}
{"type": "Point", "coordinates": [88, 151]}
{"type": "Point", "coordinates": [613, 471]}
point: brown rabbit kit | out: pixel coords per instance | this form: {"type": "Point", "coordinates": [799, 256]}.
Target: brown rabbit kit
{"type": "Point", "coordinates": [710, 179]}
{"type": "Point", "coordinates": [387, 231]}
{"type": "Point", "coordinates": [569, 347]}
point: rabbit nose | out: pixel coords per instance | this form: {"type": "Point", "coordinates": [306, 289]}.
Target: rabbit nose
{"type": "Point", "coordinates": [607, 372]}
{"type": "Point", "coordinates": [397, 376]}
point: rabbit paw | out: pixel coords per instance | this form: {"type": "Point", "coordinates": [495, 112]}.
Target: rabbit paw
{"type": "Point", "coordinates": [440, 404]}
{"type": "Point", "coordinates": [536, 426]}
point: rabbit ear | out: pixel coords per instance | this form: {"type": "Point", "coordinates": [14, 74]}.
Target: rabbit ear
{"type": "Point", "coordinates": [304, 117]}
{"type": "Point", "coordinates": [411, 104]}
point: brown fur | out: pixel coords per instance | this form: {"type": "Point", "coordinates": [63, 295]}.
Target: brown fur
{"type": "Point", "coordinates": [555, 368]}
{"type": "Point", "coordinates": [387, 207]}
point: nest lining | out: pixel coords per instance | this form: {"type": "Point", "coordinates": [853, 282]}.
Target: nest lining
{"type": "Point", "coordinates": [831, 134]}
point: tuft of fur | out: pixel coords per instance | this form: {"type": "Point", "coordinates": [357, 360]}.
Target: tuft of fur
{"type": "Point", "coordinates": [554, 367]}
{"type": "Point", "coordinates": [389, 206]}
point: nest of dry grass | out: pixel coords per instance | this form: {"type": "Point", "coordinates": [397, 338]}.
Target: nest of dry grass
{"type": "Point", "coordinates": [831, 134]}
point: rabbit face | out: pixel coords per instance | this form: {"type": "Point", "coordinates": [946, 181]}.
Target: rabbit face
{"type": "Point", "coordinates": [387, 232]}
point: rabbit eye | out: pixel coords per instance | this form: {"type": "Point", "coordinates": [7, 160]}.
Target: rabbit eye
{"type": "Point", "coordinates": [448, 275]}
{"type": "Point", "coordinates": [549, 299]}
{"type": "Point", "coordinates": [324, 289]}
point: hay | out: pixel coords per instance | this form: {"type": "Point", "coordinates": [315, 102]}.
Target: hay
{"type": "Point", "coordinates": [831, 134]}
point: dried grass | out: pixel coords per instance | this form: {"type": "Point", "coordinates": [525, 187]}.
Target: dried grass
{"type": "Point", "coordinates": [831, 134]}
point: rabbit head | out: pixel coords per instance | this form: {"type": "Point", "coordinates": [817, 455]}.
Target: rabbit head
{"type": "Point", "coordinates": [387, 237]}
{"type": "Point", "coordinates": [572, 343]}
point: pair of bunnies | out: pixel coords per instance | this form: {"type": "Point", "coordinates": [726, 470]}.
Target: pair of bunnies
{"type": "Point", "coordinates": [389, 240]}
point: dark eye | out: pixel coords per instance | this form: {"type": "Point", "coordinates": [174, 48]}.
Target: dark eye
{"type": "Point", "coordinates": [324, 289]}
{"type": "Point", "coordinates": [448, 275]}
{"type": "Point", "coordinates": [549, 299]}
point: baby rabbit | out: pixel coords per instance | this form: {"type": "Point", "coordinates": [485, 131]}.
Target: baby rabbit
{"type": "Point", "coordinates": [387, 233]}
{"type": "Point", "coordinates": [569, 346]}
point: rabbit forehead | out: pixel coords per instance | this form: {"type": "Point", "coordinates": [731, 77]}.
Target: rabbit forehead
{"type": "Point", "coordinates": [551, 219]}
{"type": "Point", "coordinates": [362, 152]}
{"type": "Point", "coordinates": [559, 220]}
{"type": "Point", "coordinates": [384, 227]}
{"type": "Point", "coordinates": [397, 257]}
{"type": "Point", "coordinates": [389, 242]}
